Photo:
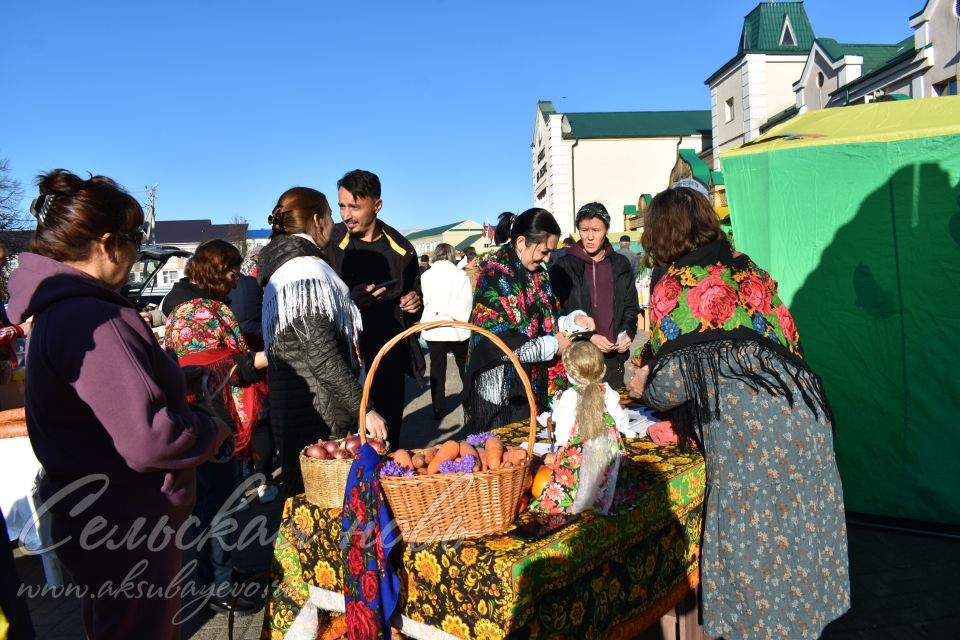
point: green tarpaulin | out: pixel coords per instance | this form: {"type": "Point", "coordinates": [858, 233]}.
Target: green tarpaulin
{"type": "Point", "coordinates": [856, 212]}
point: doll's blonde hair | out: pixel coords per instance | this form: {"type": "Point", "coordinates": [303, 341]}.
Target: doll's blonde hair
{"type": "Point", "coordinates": [584, 362]}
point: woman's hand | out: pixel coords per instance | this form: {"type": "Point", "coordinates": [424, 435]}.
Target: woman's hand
{"type": "Point", "coordinates": [377, 427]}
{"type": "Point", "coordinates": [260, 360]}
{"type": "Point", "coordinates": [562, 342]}
{"type": "Point", "coordinates": [586, 322]}
{"type": "Point", "coordinates": [638, 381]}
{"type": "Point", "coordinates": [602, 343]}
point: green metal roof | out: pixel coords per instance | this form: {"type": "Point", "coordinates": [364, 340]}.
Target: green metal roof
{"type": "Point", "coordinates": [717, 177]}
{"type": "Point", "coordinates": [761, 32]}
{"type": "Point", "coordinates": [435, 231]}
{"type": "Point", "coordinates": [468, 241]}
{"type": "Point", "coordinates": [546, 108]}
{"type": "Point", "coordinates": [629, 209]}
{"type": "Point", "coordinates": [904, 49]}
{"type": "Point", "coordinates": [874, 55]}
{"type": "Point", "coordinates": [779, 117]}
{"type": "Point", "coordinates": [647, 198]}
{"type": "Point", "coordinates": [763, 27]}
{"type": "Point", "coordinates": [699, 168]}
{"type": "Point", "coordinates": [637, 124]}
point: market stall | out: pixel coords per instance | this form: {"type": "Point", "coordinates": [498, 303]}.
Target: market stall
{"type": "Point", "coordinates": [855, 213]}
{"type": "Point", "coordinates": [604, 577]}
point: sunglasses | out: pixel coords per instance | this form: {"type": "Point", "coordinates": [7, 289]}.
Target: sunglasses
{"type": "Point", "coordinates": [136, 237]}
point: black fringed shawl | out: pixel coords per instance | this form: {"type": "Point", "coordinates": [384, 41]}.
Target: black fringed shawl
{"type": "Point", "coordinates": [717, 314]}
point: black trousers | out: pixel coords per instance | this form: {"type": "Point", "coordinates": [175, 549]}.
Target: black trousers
{"type": "Point", "coordinates": [438, 369]}
{"type": "Point", "coordinates": [387, 392]}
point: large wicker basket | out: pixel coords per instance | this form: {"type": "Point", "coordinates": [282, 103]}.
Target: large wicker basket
{"type": "Point", "coordinates": [450, 506]}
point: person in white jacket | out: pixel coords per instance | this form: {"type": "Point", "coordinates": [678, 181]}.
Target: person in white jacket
{"type": "Point", "coordinates": [447, 295]}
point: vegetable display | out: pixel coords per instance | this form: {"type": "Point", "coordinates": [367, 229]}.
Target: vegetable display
{"type": "Point", "coordinates": [455, 457]}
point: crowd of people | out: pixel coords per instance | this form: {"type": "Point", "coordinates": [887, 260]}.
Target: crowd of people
{"type": "Point", "coordinates": [267, 354]}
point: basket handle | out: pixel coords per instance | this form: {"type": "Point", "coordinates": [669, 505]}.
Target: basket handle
{"type": "Point", "coordinates": [422, 326]}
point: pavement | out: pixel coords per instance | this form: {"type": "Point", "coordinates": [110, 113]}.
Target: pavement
{"type": "Point", "coordinates": [904, 581]}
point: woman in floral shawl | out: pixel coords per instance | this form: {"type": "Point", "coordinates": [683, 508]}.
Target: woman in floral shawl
{"type": "Point", "coordinates": [514, 301]}
{"type": "Point", "coordinates": [202, 330]}
{"type": "Point", "coordinates": [727, 363]}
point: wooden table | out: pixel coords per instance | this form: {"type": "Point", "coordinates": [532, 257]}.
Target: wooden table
{"type": "Point", "coordinates": [604, 576]}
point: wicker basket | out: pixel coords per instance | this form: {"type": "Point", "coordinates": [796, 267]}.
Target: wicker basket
{"type": "Point", "coordinates": [450, 506]}
{"type": "Point", "coordinates": [324, 481]}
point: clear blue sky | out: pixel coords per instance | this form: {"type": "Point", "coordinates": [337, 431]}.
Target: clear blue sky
{"type": "Point", "coordinates": [226, 104]}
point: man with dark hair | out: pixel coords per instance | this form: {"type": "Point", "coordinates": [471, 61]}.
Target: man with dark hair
{"type": "Point", "coordinates": [381, 268]}
{"type": "Point", "coordinates": [625, 251]}
{"type": "Point", "coordinates": [424, 263]}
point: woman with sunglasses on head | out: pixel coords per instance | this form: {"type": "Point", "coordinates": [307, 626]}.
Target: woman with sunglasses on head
{"type": "Point", "coordinates": [106, 409]}
{"type": "Point", "coordinates": [202, 331]}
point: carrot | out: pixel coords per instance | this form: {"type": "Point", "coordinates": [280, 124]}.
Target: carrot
{"type": "Point", "coordinates": [516, 455]}
{"type": "Point", "coordinates": [402, 457]}
{"type": "Point", "coordinates": [448, 451]}
{"type": "Point", "coordinates": [418, 461]}
{"type": "Point", "coordinates": [494, 452]}
{"type": "Point", "coordinates": [482, 457]}
{"type": "Point", "coordinates": [428, 454]}
{"type": "Point", "coordinates": [466, 449]}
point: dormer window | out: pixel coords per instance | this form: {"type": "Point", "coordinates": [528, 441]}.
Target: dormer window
{"type": "Point", "coordinates": [787, 37]}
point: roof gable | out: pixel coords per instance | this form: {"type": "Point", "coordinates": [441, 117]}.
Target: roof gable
{"type": "Point", "coordinates": [468, 225]}
{"type": "Point", "coordinates": [765, 29]}
{"type": "Point", "coordinates": [637, 124]}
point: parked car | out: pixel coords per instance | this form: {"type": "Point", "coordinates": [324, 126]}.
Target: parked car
{"type": "Point", "coordinates": [142, 288]}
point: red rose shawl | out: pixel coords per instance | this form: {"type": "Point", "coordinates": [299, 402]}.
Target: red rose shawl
{"type": "Point", "coordinates": [713, 305]}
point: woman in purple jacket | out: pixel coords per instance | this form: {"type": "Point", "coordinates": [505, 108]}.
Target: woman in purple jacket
{"type": "Point", "coordinates": [106, 411]}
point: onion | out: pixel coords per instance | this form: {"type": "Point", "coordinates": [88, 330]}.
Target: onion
{"type": "Point", "coordinates": [316, 451]}
{"type": "Point", "coordinates": [351, 443]}
{"type": "Point", "coordinates": [340, 454]}
{"type": "Point", "coordinates": [378, 445]}
{"type": "Point", "coordinates": [331, 446]}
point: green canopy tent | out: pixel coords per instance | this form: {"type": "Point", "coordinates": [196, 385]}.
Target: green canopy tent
{"type": "Point", "coordinates": [856, 212]}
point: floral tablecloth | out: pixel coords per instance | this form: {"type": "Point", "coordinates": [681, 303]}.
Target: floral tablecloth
{"type": "Point", "coordinates": [601, 577]}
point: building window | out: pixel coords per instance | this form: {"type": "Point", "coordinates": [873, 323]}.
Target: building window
{"type": "Point", "coordinates": [542, 195]}
{"type": "Point", "coordinates": [542, 172]}
{"type": "Point", "coordinates": [820, 78]}
{"type": "Point", "coordinates": [168, 277]}
{"type": "Point", "coordinates": [541, 155]}
{"type": "Point", "coordinates": [728, 110]}
{"type": "Point", "coordinates": [947, 87]}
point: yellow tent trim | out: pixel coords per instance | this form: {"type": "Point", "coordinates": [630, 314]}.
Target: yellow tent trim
{"type": "Point", "coordinates": [875, 122]}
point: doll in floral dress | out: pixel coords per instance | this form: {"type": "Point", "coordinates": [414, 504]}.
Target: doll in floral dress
{"type": "Point", "coordinates": [587, 418]}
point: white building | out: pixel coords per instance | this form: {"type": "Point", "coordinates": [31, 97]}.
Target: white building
{"type": "Point", "coordinates": [607, 157]}
{"type": "Point", "coordinates": [758, 81]}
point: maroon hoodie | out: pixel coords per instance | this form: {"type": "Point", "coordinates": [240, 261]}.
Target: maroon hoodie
{"type": "Point", "coordinates": [599, 276]}
{"type": "Point", "coordinates": [102, 397]}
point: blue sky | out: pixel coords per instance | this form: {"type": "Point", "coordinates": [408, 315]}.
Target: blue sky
{"type": "Point", "coordinates": [225, 105]}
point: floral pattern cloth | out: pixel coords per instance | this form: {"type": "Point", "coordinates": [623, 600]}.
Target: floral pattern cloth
{"type": "Point", "coordinates": [694, 298]}
{"type": "Point", "coordinates": [205, 331]}
{"type": "Point", "coordinates": [600, 455]}
{"type": "Point", "coordinates": [510, 299]}
{"type": "Point", "coordinates": [599, 577]}
{"type": "Point", "coordinates": [370, 585]}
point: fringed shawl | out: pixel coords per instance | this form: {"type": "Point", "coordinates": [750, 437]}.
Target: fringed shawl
{"type": "Point", "coordinates": [716, 311]}
{"type": "Point", "coordinates": [204, 331]}
{"type": "Point", "coordinates": [304, 286]}
{"type": "Point", "coordinates": [516, 305]}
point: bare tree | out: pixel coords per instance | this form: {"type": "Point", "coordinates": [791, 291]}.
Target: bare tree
{"type": "Point", "coordinates": [11, 194]}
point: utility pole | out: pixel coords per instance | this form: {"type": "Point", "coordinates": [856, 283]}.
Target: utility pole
{"type": "Point", "coordinates": [151, 221]}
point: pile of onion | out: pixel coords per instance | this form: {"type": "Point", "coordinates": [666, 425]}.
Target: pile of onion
{"type": "Point", "coordinates": [344, 449]}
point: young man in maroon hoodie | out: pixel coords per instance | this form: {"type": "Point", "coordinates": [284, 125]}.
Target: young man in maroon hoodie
{"type": "Point", "coordinates": [596, 279]}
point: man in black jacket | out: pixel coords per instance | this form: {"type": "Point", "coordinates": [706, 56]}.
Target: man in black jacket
{"type": "Point", "coordinates": [596, 279]}
{"type": "Point", "coordinates": [380, 267]}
